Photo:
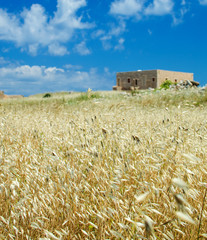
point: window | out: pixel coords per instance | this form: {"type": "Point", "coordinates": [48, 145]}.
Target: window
{"type": "Point", "coordinates": [153, 79]}
{"type": "Point", "coordinates": [166, 79]}
{"type": "Point", "coordinates": [136, 82]}
{"type": "Point", "coordinates": [128, 80]}
{"type": "Point", "coordinates": [176, 80]}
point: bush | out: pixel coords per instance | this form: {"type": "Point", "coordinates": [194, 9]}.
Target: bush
{"type": "Point", "coordinates": [166, 84]}
{"type": "Point", "coordinates": [47, 95]}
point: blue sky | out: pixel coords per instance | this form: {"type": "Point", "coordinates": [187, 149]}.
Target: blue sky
{"type": "Point", "coordinates": [64, 45]}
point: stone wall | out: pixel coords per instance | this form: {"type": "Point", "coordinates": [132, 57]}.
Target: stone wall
{"type": "Point", "coordinates": [148, 79]}
{"type": "Point", "coordinates": [163, 75]}
{"type": "Point", "coordinates": [141, 79]}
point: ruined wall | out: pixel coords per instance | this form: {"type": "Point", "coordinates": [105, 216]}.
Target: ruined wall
{"type": "Point", "coordinates": [4, 96]}
{"type": "Point", "coordinates": [163, 75]}
{"type": "Point", "coordinates": [141, 79]}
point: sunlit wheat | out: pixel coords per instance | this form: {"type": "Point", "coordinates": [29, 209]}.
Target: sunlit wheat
{"type": "Point", "coordinates": [113, 167]}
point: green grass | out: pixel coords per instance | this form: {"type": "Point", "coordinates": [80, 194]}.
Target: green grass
{"type": "Point", "coordinates": [84, 97]}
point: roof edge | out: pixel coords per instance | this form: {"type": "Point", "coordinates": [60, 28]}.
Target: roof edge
{"type": "Point", "coordinates": [155, 70]}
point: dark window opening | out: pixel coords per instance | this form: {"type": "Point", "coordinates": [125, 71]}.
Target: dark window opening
{"type": "Point", "coordinates": [176, 80]}
{"type": "Point", "coordinates": [128, 80]}
{"type": "Point", "coordinates": [136, 82]}
{"type": "Point", "coordinates": [153, 79]}
{"type": "Point", "coordinates": [166, 79]}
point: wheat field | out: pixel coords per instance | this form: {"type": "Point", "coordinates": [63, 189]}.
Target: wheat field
{"type": "Point", "coordinates": [112, 166]}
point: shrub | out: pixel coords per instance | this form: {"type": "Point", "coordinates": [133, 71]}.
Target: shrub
{"type": "Point", "coordinates": [166, 84]}
{"type": "Point", "coordinates": [47, 95]}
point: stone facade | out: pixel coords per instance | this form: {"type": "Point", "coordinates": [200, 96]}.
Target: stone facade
{"type": "Point", "coordinates": [148, 79]}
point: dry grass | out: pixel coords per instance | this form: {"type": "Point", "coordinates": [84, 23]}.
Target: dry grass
{"type": "Point", "coordinates": [108, 168]}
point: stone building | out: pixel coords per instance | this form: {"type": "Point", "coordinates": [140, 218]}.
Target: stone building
{"type": "Point", "coordinates": [148, 79]}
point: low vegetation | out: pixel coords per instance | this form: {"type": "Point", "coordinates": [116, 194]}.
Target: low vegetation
{"type": "Point", "coordinates": [47, 95]}
{"type": "Point", "coordinates": [89, 95]}
{"type": "Point", "coordinates": [109, 166]}
{"type": "Point", "coordinates": [166, 84]}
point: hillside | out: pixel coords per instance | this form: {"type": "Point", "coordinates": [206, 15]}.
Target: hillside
{"type": "Point", "coordinates": [104, 165]}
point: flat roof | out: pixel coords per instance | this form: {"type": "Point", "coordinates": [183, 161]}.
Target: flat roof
{"type": "Point", "coordinates": [154, 70]}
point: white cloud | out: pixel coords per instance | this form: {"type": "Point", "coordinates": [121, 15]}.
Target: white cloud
{"type": "Point", "coordinates": [33, 28]}
{"type": "Point", "coordinates": [25, 71]}
{"type": "Point", "coordinates": [27, 74]}
{"type": "Point", "coordinates": [71, 66]}
{"type": "Point", "coordinates": [52, 70]}
{"type": "Point", "coordinates": [82, 49]}
{"type": "Point", "coordinates": [106, 43]}
{"type": "Point", "coordinates": [9, 26]}
{"type": "Point", "coordinates": [29, 80]}
{"type": "Point", "coordinates": [106, 37]}
{"type": "Point", "coordinates": [98, 33]}
{"type": "Point", "coordinates": [160, 7]}
{"type": "Point", "coordinates": [137, 8]}
{"type": "Point", "coordinates": [33, 48]}
{"type": "Point", "coordinates": [126, 7]}
{"type": "Point", "coordinates": [179, 15]}
{"type": "Point", "coordinates": [183, 2]}
{"type": "Point", "coordinates": [115, 30]}
{"type": "Point", "coordinates": [65, 14]}
{"type": "Point", "coordinates": [149, 31]}
{"type": "Point", "coordinates": [120, 45]}
{"type": "Point", "coordinates": [57, 50]}
{"type": "Point", "coordinates": [203, 2]}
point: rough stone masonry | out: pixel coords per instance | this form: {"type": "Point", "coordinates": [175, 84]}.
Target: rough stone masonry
{"type": "Point", "coordinates": [148, 79]}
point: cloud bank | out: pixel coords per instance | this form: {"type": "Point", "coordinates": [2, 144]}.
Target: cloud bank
{"type": "Point", "coordinates": [27, 80]}
{"type": "Point", "coordinates": [33, 28]}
